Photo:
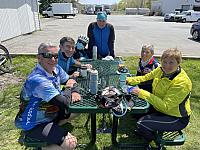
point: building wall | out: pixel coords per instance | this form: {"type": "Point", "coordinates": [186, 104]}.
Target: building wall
{"type": "Point", "coordinates": [168, 6]}
{"type": "Point", "coordinates": [18, 17]}
{"type": "Point", "coordinates": [36, 19]}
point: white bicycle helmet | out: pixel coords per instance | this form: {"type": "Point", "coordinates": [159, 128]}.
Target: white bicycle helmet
{"type": "Point", "coordinates": [84, 39]}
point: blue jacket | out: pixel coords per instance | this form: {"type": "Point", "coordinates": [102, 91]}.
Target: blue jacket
{"type": "Point", "coordinates": [39, 88]}
{"type": "Point", "coordinates": [102, 38]}
{"type": "Point", "coordinates": [65, 63]}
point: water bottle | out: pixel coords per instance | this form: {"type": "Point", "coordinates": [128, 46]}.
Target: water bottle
{"type": "Point", "coordinates": [93, 82]}
{"type": "Point", "coordinates": [83, 71]}
{"type": "Point", "coordinates": [122, 79]}
{"type": "Point", "coordinates": [94, 52]}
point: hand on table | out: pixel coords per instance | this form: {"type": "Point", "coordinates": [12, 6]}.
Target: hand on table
{"type": "Point", "coordinates": [75, 74]}
{"type": "Point", "coordinates": [136, 90]}
{"type": "Point", "coordinates": [89, 66]}
{"type": "Point", "coordinates": [75, 97]}
{"type": "Point", "coordinates": [70, 83]}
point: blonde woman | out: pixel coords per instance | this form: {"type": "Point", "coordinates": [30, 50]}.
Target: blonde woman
{"type": "Point", "coordinates": [171, 89]}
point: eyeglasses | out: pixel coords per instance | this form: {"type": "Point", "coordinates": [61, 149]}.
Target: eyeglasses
{"type": "Point", "coordinates": [101, 20]}
{"type": "Point", "coordinates": [49, 55]}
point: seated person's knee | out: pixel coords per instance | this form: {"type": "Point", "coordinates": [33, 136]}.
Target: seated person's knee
{"type": "Point", "coordinates": [69, 142]}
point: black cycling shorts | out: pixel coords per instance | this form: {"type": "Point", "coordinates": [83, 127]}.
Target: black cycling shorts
{"type": "Point", "coordinates": [48, 132]}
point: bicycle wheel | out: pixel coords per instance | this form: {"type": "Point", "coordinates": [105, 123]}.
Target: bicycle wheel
{"type": "Point", "coordinates": [5, 60]}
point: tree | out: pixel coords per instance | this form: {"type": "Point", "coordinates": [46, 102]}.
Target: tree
{"type": "Point", "coordinates": [148, 4]}
{"type": "Point", "coordinates": [130, 4]}
{"type": "Point", "coordinates": [114, 7]}
{"type": "Point", "coordinates": [134, 4]}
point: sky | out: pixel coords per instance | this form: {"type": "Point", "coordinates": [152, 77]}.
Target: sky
{"type": "Point", "coordinates": [98, 1]}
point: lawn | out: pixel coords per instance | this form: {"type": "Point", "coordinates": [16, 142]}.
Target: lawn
{"type": "Point", "coordinates": [9, 101]}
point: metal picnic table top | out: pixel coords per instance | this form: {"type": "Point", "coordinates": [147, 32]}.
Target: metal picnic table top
{"type": "Point", "coordinates": [107, 76]}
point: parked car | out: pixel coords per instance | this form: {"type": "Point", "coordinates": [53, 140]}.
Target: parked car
{"type": "Point", "coordinates": [169, 17]}
{"type": "Point", "coordinates": [188, 16]}
{"type": "Point", "coordinates": [178, 17]}
{"type": "Point", "coordinates": [195, 31]}
{"type": "Point", "coordinates": [90, 11]}
{"type": "Point", "coordinates": [107, 11]}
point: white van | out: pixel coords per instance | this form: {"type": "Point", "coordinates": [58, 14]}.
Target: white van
{"type": "Point", "coordinates": [188, 16]}
{"type": "Point", "coordinates": [59, 9]}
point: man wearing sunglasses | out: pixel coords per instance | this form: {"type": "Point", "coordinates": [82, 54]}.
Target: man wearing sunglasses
{"type": "Point", "coordinates": [43, 104]}
{"type": "Point", "coordinates": [102, 35]}
{"type": "Point", "coordinates": [65, 57]}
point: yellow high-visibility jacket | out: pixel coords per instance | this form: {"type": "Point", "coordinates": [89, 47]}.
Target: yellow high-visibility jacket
{"type": "Point", "coordinates": [169, 95]}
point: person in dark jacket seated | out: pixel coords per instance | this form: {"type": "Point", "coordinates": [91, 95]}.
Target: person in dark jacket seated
{"type": "Point", "coordinates": [146, 64]}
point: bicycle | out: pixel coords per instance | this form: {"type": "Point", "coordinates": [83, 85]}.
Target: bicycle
{"type": "Point", "coordinates": [5, 60]}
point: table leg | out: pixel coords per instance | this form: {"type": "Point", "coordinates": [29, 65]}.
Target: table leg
{"type": "Point", "coordinates": [93, 128]}
{"type": "Point", "coordinates": [114, 130]}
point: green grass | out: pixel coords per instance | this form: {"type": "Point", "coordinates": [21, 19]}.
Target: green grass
{"type": "Point", "coordinates": [9, 101]}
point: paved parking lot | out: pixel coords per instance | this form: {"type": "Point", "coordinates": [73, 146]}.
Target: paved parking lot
{"type": "Point", "coordinates": [131, 32]}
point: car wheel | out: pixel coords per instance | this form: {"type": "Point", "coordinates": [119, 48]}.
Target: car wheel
{"type": "Point", "coordinates": [184, 20]}
{"type": "Point", "coordinates": [195, 35]}
{"type": "Point", "coordinates": [46, 16]}
{"type": "Point", "coordinates": [171, 19]}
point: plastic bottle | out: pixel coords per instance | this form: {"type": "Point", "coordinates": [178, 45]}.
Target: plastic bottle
{"type": "Point", "coordinates": [94, 52]}
{"type": "Point", "coordinates": [83, 71]}
{"type": "Point", "coordinates": [93, 82]}
{"type": "Point", "coordinates": [122, 79]}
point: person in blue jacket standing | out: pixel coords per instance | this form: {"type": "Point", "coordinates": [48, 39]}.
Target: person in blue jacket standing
{"type": "Point", "coordinates": [102, 35]}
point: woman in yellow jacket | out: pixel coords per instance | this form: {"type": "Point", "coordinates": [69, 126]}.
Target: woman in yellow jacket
{"type": "Point", "coordinates": [169, 97]}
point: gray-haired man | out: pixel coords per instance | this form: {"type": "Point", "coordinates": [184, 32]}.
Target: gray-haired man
{"type": "Point", "coordinates": [43, 104]}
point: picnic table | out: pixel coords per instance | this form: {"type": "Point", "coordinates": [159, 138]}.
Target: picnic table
{"type": "Point", "coordinates": [108, 76]}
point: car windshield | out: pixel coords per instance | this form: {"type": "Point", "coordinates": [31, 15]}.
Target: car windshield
{"type": "Point", "coordinates": [175, 12]}
{"type": "Point", "coordinates": [184, 13]}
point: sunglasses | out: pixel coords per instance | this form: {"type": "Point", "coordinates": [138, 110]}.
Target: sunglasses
{"type": "Point", "coordinates": [101, 20]}
{"type": "Point", "coordinates": [49, 55]}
